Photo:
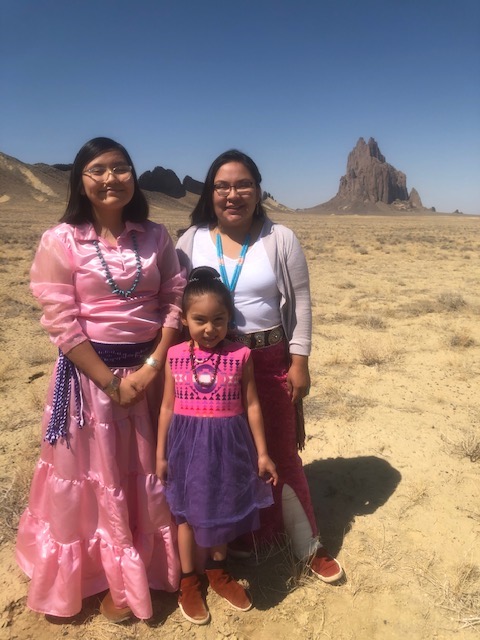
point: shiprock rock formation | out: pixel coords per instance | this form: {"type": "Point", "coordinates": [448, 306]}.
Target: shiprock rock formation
{"type": "Point", "coordinates": [370, 178]}
{"type": "Point", "coordinates": [372, 185]}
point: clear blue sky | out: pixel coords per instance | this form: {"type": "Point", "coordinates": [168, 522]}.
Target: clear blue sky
{"type": "Point", "coordinates": [294, 83]}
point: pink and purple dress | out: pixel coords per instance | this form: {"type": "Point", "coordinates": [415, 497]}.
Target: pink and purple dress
{"type": "Point", "coordinates": [97, 516]}
{"type": "Point", "coordinates": [212, 478]}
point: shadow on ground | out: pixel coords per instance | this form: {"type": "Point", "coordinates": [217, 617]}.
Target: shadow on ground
{"type": "Point", "coordinates": [343, 488]}
{"type": "Point", "coordinates": [270, 575]}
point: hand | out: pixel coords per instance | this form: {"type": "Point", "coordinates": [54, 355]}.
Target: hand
{"type": "Point", "coordinates": [161, 470]}
{"type": "Point", "coordinates": [128, 394]}
{"type": "Point", "coordinates": [132, 387]}
{"type": "Point", "coordinates": [143, 377]}
{"type": "Point", "coordinates": [298, 378]}
{"type": "Point", "coordinates": [267, 470]}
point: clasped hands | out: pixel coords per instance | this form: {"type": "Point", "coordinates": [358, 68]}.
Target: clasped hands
{"type": "Point", "coordinates": [132, 387]}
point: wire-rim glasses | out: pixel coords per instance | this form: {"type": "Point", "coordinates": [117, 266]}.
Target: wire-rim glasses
{"type": "Point", "coordinates": [243, 188]}
{"type": "Point", "coordinates": [99, 172]}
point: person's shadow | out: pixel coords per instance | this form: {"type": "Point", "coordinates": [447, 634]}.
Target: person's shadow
{"type": "Point", "coordinates": [342, 488]}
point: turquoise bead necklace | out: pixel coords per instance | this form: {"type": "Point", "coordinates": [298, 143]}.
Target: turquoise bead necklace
{"type": "Point", "coordinates": [238, 267]}
{"type": "Point", "coordinates": [109, 278]}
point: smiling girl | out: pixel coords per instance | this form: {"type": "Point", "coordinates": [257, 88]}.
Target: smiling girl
{"type": "Point", "coordinates": [206, 454]}
{"type": "Point", "coordinates": [110, 285]}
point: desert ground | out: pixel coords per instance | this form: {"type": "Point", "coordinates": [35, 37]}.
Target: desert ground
{"type": "Point", "coordinates": [393, 438]}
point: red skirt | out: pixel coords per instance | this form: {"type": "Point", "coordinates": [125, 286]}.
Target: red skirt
{"type": "Point", "coordinates": [280, 418]}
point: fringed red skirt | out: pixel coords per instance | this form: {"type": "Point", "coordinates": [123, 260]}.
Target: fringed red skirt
{"type": "Point", "coordinates": [280, 418]}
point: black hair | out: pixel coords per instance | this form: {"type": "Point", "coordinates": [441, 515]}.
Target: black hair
{"type": "Point", "coordinates": [203, 213]}
{"type": "Point", "coordinates": [79, 207]}
{"type": "Point", "coordinates": [203, 280]}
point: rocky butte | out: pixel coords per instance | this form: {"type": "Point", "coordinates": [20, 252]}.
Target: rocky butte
{"type": "Point", "coordinates": [372, 185]}
{"type": "Point", "coordinates": [162, 180]}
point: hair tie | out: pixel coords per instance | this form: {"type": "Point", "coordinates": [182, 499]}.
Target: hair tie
{"type": "Point", "coordinates": [204, 274]}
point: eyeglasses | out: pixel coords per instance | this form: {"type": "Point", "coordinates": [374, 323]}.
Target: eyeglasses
{"type": "Point", "coordinates": [100, 172]}
{"type": "Point", "coordinates": [243, 188]}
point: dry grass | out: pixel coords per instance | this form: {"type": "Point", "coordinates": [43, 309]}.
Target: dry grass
{"type": "Point", "coordinates": [374, 557]}
{"type": "Point", "coordinates": [467, 445]}
{"type": "Point", "coordinates": [414, 309]}
{"type": "Point", "coordinates": [346, 285]}
{"type": "Point", "coordinates": [462, 339]}
{"type": "Point", "coordinates": [335, 359]}
{"type": "Point", "coordinates": [451, 301]}
{"type": "Point", "coordinates": [41, 354]}
{"type": "Point", "coordinates": [99, 628]}
{"type": "Point", "coordinates": [332, 401]}
{"type": "Point", "coordinates": [281, 560]}
{"type": "Point", "coordinates": [415, 494]}
{"type": "Point", "coordinates": [371, 322]}
{"type": "Point", "coordinates": [374, 354]}
{"type": "Point", "coordinates": [14, 496]}
{"type": "Point", "coordinates": [457, 593]}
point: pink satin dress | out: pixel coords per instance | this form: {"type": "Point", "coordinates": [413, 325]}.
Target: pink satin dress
{"type": "Point", "coordinates": [97, 516]}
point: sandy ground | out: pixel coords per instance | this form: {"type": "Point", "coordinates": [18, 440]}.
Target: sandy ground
{"type": "Point", "coordinates": [393, 445]}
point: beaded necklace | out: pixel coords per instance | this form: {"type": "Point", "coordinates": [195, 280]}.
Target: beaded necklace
{"type": "Point", "coordinates": [109, 278]}
{"type": "Point", "coordinates": [194, 361]}
{"type": "Point", "coordinates": [238, 267]}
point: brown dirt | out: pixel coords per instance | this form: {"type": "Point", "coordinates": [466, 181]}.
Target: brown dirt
{"type": "Point", "coordinates": [393, 448]}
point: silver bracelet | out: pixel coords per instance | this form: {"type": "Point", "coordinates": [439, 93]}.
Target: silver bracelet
{"type": "Point", "coordinates": [112, 387]}
{"type": "Point", "coordinates": [153, 362]}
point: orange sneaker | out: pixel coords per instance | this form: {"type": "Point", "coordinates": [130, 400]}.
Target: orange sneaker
{"type": "Point", "coordinates": [191, 602]}
{"type": "Point", "coordinates": [325, 567]}
{"type": "Point", "coordinates": [229, 589]}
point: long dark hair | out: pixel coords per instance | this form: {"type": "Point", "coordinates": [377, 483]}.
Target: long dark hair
{"type": "Point", "coordinates": [203, 280]}
{"type": "Point", "coordinates": [203, 214]}
{"type": "Point", "coordinates": [79, 207]}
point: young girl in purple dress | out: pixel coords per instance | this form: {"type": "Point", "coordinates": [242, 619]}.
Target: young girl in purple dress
{"type": "Point", "coordinates": [206, 455]}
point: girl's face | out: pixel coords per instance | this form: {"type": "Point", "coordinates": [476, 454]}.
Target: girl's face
{"type": "Point", "coordinates": [108, 191]}
{"type": "Point", "coordinates": [207, 320]}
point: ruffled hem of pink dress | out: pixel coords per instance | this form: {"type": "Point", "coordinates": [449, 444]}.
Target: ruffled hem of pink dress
{"type": "Point", "coordinates": [62, 575]}
{"type": "Point", "coordinates": [97, 516]}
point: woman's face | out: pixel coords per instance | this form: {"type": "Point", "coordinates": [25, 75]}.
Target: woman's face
{"type": "Point", "coordinates": [107, 190]}
{"type": "Point", "coordinates": [234, 207]}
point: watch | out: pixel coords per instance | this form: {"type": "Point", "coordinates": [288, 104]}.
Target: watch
{"type": "Point", "coordinates": [153, 362]}
{"type": "Point", "coordinates": [111, 389]}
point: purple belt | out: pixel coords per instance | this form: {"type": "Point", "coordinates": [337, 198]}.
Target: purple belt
{"type": "Point", "coordinates": [114, 355]}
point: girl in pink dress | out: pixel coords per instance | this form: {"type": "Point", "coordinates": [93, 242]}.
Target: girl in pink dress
{"type": "Point", "coordinates": [206, 454]}
{"type": "Point", "coordinates": [110, 288]}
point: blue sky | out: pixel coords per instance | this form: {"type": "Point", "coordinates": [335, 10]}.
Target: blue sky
{"type": "Point", "coordinates": [293, 83]}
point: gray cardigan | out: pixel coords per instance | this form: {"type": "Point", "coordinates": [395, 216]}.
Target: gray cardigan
{"type": "Point", "coordinates": [290, 266]}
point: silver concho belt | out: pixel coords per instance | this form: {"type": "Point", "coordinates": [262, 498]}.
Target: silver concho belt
{"type": "Point", "coordinates": [260, 339]}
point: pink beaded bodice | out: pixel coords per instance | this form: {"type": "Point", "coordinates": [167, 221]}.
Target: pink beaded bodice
{"type": "Point", "coordinates": [212, 396]}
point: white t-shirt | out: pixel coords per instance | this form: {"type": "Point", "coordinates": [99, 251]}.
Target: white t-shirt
{"type": "Point", "coordinates": [256, 296]}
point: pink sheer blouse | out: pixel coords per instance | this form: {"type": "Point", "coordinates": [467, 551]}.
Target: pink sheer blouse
{"type": "Point", "coordinates": [78, 304]}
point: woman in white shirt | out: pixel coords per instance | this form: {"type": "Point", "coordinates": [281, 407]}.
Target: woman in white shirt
{"type": "Point", "coordinates": [263, 265]}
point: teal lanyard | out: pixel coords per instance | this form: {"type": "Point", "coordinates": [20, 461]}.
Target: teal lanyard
{"type": "Point", "coordinates": [238, 268]}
